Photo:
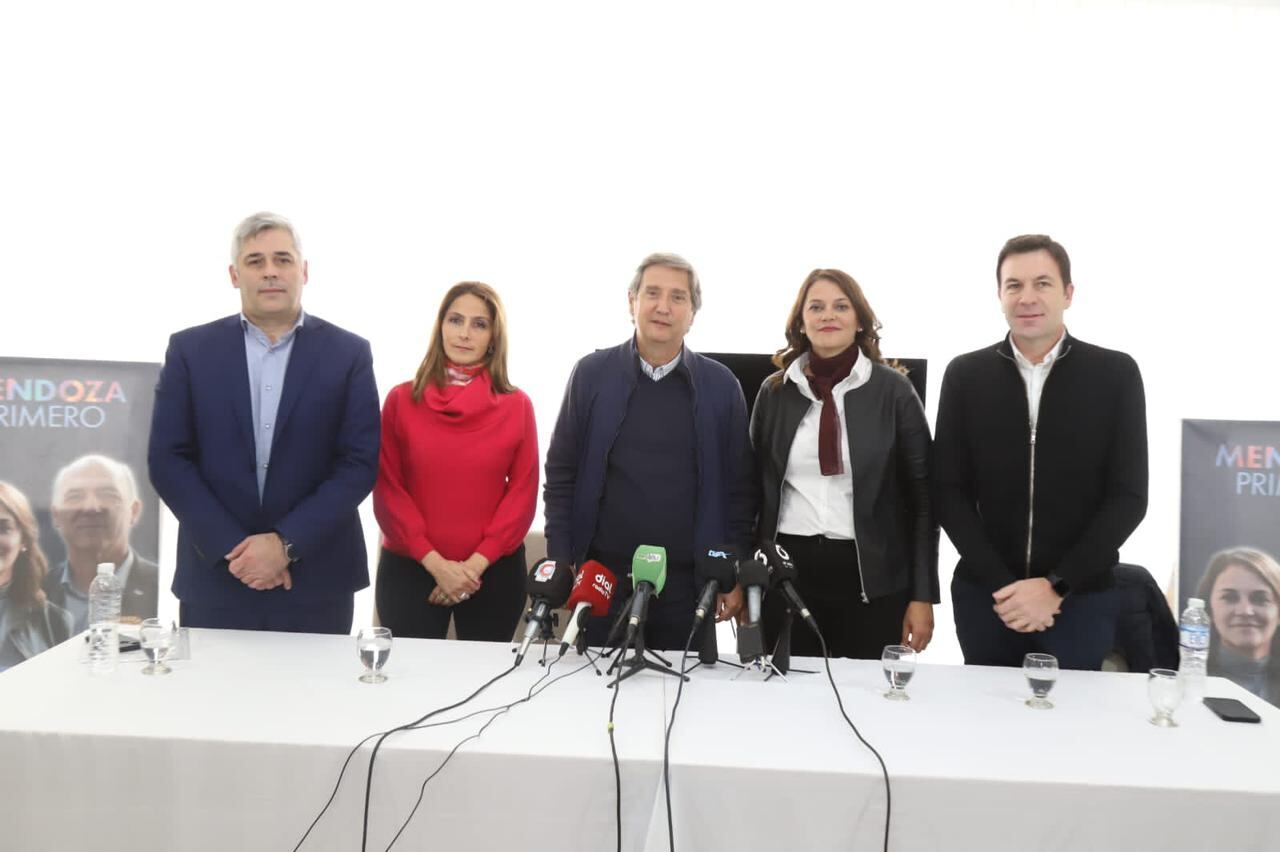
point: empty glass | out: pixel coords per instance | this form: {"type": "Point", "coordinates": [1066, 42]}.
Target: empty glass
{"type": "Point", "coordinates": [374, 646]}
{"type": "Point", "coordinates": [1042, 672]}
{"type": "Point", "coordinates": [899, 662]}
{"type": "Point", "coordinates": [1164, 688]}
{"type": "Point", "coordinates": [156, 638]}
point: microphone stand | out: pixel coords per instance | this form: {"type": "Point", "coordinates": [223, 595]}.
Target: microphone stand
{"type": "Point", "coordinates": [760, 664]}
{"type": "Point", "coordinates": [614, 639]}
{"type": "Point", "coordinates": [709, 652]}
{"type": "Point", "coordinates": [546, 637]}
{"type": "Point", "coordinates": [638, 661]}
{"type": "Point", "coordinates": [580, 645]}
{"type": "Point", "coordinates": [781, 656]}
{"type": "Point", "coordinates": [776, 663]}
{"type": "Point", "coordinates": [780, 659]}
{"type": "Point", "coordinates": [545, 632]}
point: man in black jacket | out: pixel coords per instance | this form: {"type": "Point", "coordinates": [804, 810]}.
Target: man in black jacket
{"type": "Point", "coordinates": [1040, 473]}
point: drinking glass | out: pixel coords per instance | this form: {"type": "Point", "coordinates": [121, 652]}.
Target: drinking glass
{"type": "Point", "coordinates": [156, 638]}
{"type": "Point", "coordinates": [374, 646]}
{"type": "Point", "coordinates": [1164, 688]}
{"type": "Point", "coordinates": [899, 663]}
{"type": "Point", "coordinates": [1042, 672]}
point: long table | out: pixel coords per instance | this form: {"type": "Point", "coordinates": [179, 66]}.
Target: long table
{"type": "Point", "coordinates": [240, 748]}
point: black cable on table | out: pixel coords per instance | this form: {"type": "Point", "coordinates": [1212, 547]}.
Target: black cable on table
{"type": "Point", "coordinates": [497, 711]}
{"type": "Point", "coordinates": [382, 736]}
{"type": "Point", "coordinates": [888, 800]}
{"type": "Point", "coordinates": [368, 787]}
{"type": "Point", "coordinates": [342, 772]}
{"type": "Point", "coordinates": [666, 744]}
{"type": "Point", "coordinates": [617, 770]}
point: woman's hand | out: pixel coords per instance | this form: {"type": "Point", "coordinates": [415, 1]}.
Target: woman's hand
{"type": "Point", "coordinates": [917, 625]}
{"type": "Point", "coordinates": [455, 581]}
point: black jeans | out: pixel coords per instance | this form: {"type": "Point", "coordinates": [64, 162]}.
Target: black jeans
{"type": "Point", "coordinates": [490, 615]}
{"type": "Point", "coordinates": [1081, 635]}
{"type": "Point", "coordinates": [828, 582]}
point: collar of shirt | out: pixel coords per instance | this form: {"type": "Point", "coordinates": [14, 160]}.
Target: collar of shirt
{"type": "Point", "coordinates": [122, 574]}
{"type": "Point", "coordinates": [251, 330]}
{"type": "Point", "coordinates": [1025, 363]}
{"type": "Point", "coordinates": [657, 373]}
{"type": "Point", "coordinates": [858, 376]}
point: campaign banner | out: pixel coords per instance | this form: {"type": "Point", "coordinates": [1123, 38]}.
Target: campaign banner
{"type": "Point", "coordinates": [1230, 544]}
{"type": "Point", "coordinates": [74, 492]}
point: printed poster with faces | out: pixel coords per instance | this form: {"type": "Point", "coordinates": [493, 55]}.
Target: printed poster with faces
{"type": "Point", "coordinates": [74, 491]}
{"type": "Point", "coordinates": [1230, 549]}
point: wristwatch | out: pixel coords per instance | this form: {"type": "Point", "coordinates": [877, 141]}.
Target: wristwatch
{"type": "Point", "coordinates": [1059, 585]}
{"type": "Point", "coordinates": [288, 548]}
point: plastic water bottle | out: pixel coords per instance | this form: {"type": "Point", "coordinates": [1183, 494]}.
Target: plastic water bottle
{"type": "Point", "coordinates": [1194, 642]}
{"type": "Point", "coordinates": [105, 594]}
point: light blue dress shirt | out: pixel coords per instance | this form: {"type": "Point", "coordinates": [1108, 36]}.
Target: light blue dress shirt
{"type": "Point", "coordinates": [267, 365]}
{"type": "Point", "coordinates": [659, 373]}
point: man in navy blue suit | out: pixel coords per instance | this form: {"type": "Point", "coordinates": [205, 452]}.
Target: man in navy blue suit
{"type": "Point", "coordinates": [264, 441]}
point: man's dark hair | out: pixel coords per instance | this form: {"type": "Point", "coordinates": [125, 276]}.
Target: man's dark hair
{"type": "Point", "coordinates": [1028, 243]}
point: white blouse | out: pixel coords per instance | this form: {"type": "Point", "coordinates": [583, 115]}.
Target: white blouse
{"type": "Point", "coordinates": [813, 504]}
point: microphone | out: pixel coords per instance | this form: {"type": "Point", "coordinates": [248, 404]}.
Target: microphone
{"type": "Point", "coordinates": [714, 571]}
{"type": "Point", "coordinates": [548, 586]}
{"type": "Point", "coordinates": [648, 576]}
{"type": "Point", "coordinates": [753, 576]}
{"type": "Point", "coordinates": [782, 574]}
{"type": "Point", "coordinates": [592, 591]}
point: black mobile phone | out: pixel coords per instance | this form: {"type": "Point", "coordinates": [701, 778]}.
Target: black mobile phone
{"type": "Point", "coordinates": [1231, 710]}
{"type": "Point", "coordinates": [126, 644]}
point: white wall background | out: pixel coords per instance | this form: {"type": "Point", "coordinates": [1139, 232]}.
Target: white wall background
{"type": "Point", "coordinates": [546, 147]}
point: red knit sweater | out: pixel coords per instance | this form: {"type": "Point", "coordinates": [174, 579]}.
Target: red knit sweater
{"type": "Point", "coordinates": [457, 472]}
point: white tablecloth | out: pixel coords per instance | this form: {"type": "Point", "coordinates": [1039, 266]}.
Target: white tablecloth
{"type": "Point", "coordinates": [240, 748]}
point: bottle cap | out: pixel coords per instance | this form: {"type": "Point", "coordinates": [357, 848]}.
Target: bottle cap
{"type": "Point", "coordinates": [106, 568]}
{"type": "Point", "coordinates": [1195, 603]}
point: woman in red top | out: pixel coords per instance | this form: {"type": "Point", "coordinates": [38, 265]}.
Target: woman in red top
{"type": "Point", "coordinates": [457, 481]}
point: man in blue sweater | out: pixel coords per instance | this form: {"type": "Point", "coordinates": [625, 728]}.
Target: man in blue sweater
{"type": "Point", "coordinates": [651, 447]}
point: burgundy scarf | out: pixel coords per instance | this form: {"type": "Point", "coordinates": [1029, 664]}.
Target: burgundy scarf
{"type": "Point", "coordinates": [824, 374]}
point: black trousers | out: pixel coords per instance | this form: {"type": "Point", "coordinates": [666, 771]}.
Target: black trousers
{"type": "Point", "coordinates": [490, 615]}
{"type": "Point", "coordinates": [828, 582]}
{"type": "Point", "coordinates": [1081, 635]}
{"type": "Point", "coordinates": [320, 615]}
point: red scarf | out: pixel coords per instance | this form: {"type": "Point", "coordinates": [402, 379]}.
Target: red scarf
{"type": "Point", "coordinates": [824, 374]}
{"type": "Point", "coordinates": [460, 375]}
{"type": "Point", "coordinates": [467, 396]}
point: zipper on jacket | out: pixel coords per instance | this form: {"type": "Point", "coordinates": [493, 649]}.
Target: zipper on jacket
{"type": "Point", "coordinates": [1031, 476]}
{"type": "Point", "coordinates": [858, 556]}
{"type": "Point", "coordinates": [1031, 498]}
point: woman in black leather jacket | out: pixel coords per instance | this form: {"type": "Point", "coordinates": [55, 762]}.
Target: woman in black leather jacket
{"type": "Point", "coordinates": [842, 455]}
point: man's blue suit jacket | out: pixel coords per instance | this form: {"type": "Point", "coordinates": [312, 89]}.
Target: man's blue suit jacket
{"type": "Point", "coordinates": [324, 459]}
